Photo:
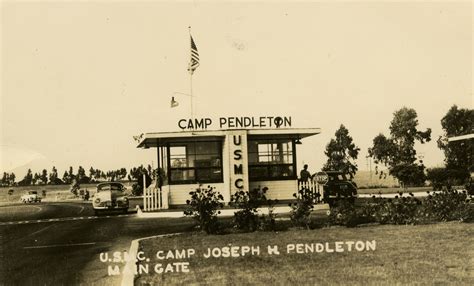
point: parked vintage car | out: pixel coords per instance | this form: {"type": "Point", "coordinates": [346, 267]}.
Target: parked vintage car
{"type": "Point", "coordinates": [110, 196]}
{"type": "Point", "coordinates": [31, 197]}
{"type": "Point", "coordinates": [338, 187]}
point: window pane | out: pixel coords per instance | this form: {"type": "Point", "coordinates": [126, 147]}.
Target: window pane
{"type": "Point", "coordinates": [277, 171]}
{"type": "Point", "coordinates": [258, 172]}
{"type": "Point", "coordinates": [195, 162]}
{"type": "Point", "coordinates": [263, 149]}
{"type": "Point", "coordinates": [178, 151]}
{"type": "Point", "coordinates": [208, 174]}
{"type": "Point", "coordinates": [178, 175]}
{"type": "Point", "coordinates": [207, 148]}
{"type": "Point", "coordinates": [206, 154]}
{"type": "Point", "coordinates": [207, 161]}
{"type": "Point", "coordinates": [263, 158]}
{"type": "Point", "coordinates": [271, 159]}
{"type": "Point", "coordinates": [178, 156]}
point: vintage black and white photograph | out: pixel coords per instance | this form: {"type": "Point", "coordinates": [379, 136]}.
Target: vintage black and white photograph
{"type": "Point", "coordinates": [236, 142]}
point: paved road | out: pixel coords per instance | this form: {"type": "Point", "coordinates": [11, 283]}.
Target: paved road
{"type": "Point", "coordinates": [60, 243]}
{"type": "Point", "coordinates": [23, 212]}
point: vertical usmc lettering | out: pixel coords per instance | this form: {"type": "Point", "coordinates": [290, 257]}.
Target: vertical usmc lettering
{"type": "Point", "coordinates": [238, 168]}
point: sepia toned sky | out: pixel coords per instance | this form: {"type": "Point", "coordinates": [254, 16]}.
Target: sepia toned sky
{"type": "Point", "coordinates": [79, 79]}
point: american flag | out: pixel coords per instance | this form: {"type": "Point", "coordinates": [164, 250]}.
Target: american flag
{"type": "Point", "coordinates": [194, 63]}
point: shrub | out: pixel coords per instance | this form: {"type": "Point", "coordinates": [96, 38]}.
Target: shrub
{"type": "Point", "coordinates": [203, 208]}
{"type": "Point", "coordinates": [447, 205]}
{"type": "Point", "coordinates": [301, 209]}
{"type": "Point", "coordinates": [56, 181]}
{"type": "Point", "coordinates": [344, 213]}
{"type": "Point", "coordinates": [443, 177]}
{"type": "Point", "coordinates": [74, 188]}
{"type": "Point", "coordinates": [409, 174]}
{"type": "Point", "coordinates": [137, 189]}
{"type": "Point", "coordinates": [247, 218]}
{"type": "Point", "coordinates": [268, 223]}
{"type": "Point", "coordinates": [400, 210]}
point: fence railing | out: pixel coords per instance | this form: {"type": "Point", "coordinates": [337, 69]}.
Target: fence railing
{"type": "Point", "coordinates": [155, 198]}
{"type": "Point", "coordinates": [316, 190]}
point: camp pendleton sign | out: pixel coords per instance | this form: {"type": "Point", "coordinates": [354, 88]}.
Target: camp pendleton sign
{"type": "Point", "coordinates": [236, 122]}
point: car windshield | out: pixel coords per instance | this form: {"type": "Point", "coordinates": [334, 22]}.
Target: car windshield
{"type": "Point", "coordinates": [337, 177]}
{"type": "Point", "coordinates": [110, 187]}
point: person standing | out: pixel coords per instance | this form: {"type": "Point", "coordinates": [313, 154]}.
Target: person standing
{"type": "Point", "coordinates": [305, 175]}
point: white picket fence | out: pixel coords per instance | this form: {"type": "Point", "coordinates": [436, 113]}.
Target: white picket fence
{"type": "Point", "coordinates": [155, 198]}
{"type": "Point", "coordinates": [315, 189]}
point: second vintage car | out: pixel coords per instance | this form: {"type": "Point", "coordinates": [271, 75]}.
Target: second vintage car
{"type": "Point", "coordinates": [31, 197]}
{"type": "Point", "coordinates": [338, 187]}
{"type": "Point", "coordinates": [110, 196]}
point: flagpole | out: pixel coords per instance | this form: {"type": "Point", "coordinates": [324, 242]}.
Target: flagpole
{"type": "Point", "coordinates": [191, 93]}
{"type": "Point", "coordinates": [191, 79]}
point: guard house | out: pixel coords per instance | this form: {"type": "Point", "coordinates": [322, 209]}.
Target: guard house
{"type": "Point", "coordinates": [229, 160]}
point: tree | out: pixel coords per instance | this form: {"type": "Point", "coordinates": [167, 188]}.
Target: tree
{"type": "Point", "coordinates": [92, 173]}
{"type": "Point", "coordinates": [398, 150]}
{"type": "Point", "coordinates": [5, 178]}
{"type": "Point", "coordinates": [81, 177]}
{"type": "Point", "coordinates": [458, 154]}
{"type": "Point", "coordinates": [97, 174]}
{"type": "Point", "coordinates": [11, 179]}
{"type": "Point", "coordinates": [44, 177]}
{"type": "Point", "coordinates": [137, 175]}
{"type": "Point", "coordinates": [53, 176]}
{"type": "Point", "coordinates": [123, 173]}
{"type": "Point", "coordinates": [36, 178]}
{"type": "Point", "coordinates": [71, 174]}
{"type": "Point", "coordinates": [342, 153]}
{"type": "Point", "coordinates": [27, 180]}
{"type": "Point", "coordinates": [66, 178]}
{"type": "Point", "coordinates": [81, 173]}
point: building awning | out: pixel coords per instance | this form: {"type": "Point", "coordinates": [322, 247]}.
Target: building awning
{"type": "Point", "coordinates": [461, 137]}
{"type": "Point", "coordinates": [157, 139]}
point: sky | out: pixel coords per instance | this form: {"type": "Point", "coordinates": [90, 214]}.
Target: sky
{"type": "Point", "coordinates": [79, 79]}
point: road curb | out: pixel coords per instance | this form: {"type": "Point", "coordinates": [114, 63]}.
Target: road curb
{"type": "Point", "coordinates": [128, 276]}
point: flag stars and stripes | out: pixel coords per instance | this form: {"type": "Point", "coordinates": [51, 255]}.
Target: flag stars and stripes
{"type": "Point", "coordinates": [194, 63]}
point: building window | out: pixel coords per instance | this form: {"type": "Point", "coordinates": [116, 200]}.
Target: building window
{"type": "Point", "coordinates": [195, 162]}
{"type": "Point", "coordinates": [271, 160]}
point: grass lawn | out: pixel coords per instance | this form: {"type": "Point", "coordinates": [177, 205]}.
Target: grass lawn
{"type": "Point", "coordinates": [427, 254]}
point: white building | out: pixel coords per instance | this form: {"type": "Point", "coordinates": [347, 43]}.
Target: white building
{"type": "Point", "coordinates": [229, 160]}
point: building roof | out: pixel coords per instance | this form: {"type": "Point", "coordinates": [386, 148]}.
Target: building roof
{"type": "Point", "coordinates": [462, 137]}
{"type": "Point", "coordinates": [161, 138]}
